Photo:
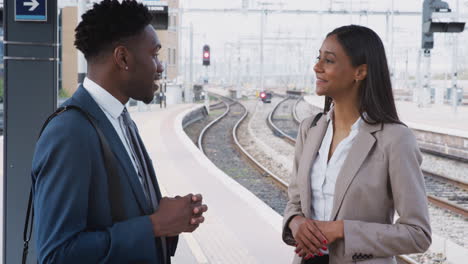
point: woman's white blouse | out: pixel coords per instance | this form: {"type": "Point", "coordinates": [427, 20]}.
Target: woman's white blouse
{"type": "Point", "coordinates": [324, 173]}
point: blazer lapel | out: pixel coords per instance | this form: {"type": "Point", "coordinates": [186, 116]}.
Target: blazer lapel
{"type": "Point", "coordinates": [360, 149]}
{"type": "Point", "coordinates": [313, 141]}
{"type": "Point", "coordinates": [84, 99]}
{"type": "Point", "coordinates": [151, 170]}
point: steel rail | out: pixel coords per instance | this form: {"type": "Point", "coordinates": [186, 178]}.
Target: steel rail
{"type": "Point", "coordinates": [277, 131]}
{"type": "Point", "coordinates": [452, 207]}
{"type": "Point", "coordinates": [407, 259]}
{"type": "Point", "coordinates": [294, 112]}
{"type": "Point", "coordinates": [256, 164]}
{"type": "Point", "coordinates": [202, 133]}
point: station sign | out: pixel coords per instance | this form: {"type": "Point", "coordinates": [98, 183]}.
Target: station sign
{"type": "Point", "coordinates": [160, 12]}
{"type": "Point", "coordinates": [31, 10]}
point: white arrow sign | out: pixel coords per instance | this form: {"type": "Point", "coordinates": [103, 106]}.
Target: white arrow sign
{"type": "Point", "coordinates": [34, 4]}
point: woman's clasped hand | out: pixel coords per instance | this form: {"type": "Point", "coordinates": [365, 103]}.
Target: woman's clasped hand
{"type": "Point", "coordinates": [312, 236]}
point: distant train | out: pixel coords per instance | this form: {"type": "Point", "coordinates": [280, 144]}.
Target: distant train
{"type": "Point", "coordinates": [266, 97]}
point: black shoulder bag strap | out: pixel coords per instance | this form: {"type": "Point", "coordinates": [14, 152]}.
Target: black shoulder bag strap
{"type": "Point", "coordinates": [111, 168]}
{"type": "Point", "coordinates": [316, 119]}
{"type": "Point", "coordinates": [314, 122]}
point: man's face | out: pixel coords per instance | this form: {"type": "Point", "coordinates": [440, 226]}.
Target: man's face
{"type": "Point", "coordinates": [146, 68]}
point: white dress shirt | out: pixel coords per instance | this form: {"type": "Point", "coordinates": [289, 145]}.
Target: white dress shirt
{"type": "Point", "coordinates": [112, 108]}
{"type": "Point", "coordinates": [324, 173]}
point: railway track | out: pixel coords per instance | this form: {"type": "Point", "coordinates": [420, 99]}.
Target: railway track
{"type": "Point", "coordinates": [262, 169]}
{"type": "Point", "coordinates": [447, 193]}
{"type": "Point", "coordinates": [406, 260]}
{"type": "Point", "coordinates": [231, 158]}
{"type": "Point", "coordinates": [444, 155]}
{"type": "Point", "coordinates": [202, 133]}
{"type": "Point", "coordinates": [294, 111]}
{"type": "Point", "coordinates": [444, 192]}
{"type": "Point", "coordinates": [284, 124]}
{"type": "Point", "coordinates": [218, 105]}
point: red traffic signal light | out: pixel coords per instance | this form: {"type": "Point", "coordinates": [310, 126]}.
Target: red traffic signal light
{"type": "Point", "coordinates": [206, 55]}
{"type": "Point", "coordinates": [265, 96]}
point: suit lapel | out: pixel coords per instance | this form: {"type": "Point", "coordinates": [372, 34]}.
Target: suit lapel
{"type": "Point", "coordinates": [154, 181]}
{"type": "Point", "coordinates": [313, 141]}
{"type": "Point", "coordinates": [359, 151]}
{"type": "Point", "coordinates": [149, 164]}
{"type": "Point", "coordinates": [83, 99]}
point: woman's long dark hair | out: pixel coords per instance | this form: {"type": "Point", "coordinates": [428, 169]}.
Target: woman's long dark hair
{"type": "Point", "coordinates": [364, 46]}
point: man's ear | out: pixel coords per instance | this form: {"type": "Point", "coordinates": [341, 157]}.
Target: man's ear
{"type": "Point", "coordinates": [361, 72]}
{"type": "Point", "coordinates": [121, 57]}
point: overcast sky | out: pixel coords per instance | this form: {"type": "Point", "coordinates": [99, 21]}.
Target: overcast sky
{"type": "Point", "coordinates": [217, 28]}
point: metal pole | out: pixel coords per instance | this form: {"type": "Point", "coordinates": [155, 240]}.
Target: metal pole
{"type": "Point", "coordinates": [454, 74]}
{"type": "Point", "coordinates": [321, 19]}
{"type": "Point", "coordinates": [188, 90]}
{"type": "Point", "coordinates": [30, 95]}
{"type": "Point", "coordinates": [392, 64]}
{"type": "Point", "coordinates": [454, 65]}
{"type": "Point", "coordinates": [230, 65]}
{"type": "Point", "coordinates": [179, 42]}
{"type": "Point", "coordinates": [439, 92]}
{"type": "Point", "coordinates": [417, 89]}
{"type": "Point", "coordinates": [82, 65]}
{"type": "Point", "coordinates": [262, 25]}
{"type": "Point", "coordinates": [426, 87]}
{"type": "Point", "coordinates": [387, 28]}
{"type": "Point", "coordinates": [239, 67]}
{"type": "Point", "coordinates": [406, 70]}
{"type": "Point", "coordinates": [305, 64]}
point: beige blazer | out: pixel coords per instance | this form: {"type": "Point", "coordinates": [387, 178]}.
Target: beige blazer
{"type": "Point", "coordinates": [381, 175]}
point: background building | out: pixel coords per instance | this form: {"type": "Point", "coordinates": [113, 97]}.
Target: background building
{"type": "Point", "coordinates": [170, 41]}
{"type": "Point", "coordinates": [68, 20]}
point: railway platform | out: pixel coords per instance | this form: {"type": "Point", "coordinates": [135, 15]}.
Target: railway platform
{"type": "Point", "coordinates": [239, 227]}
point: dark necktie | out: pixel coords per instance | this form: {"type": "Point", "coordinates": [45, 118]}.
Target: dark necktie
{"type": "Point", "coordinates": [142, 168]}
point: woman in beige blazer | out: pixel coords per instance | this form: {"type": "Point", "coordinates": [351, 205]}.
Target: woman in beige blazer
{"type": "Point", "coordinates": [357, 165]}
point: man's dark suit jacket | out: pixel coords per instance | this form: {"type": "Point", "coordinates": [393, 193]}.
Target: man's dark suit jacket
{"type": "Point", "coordinates": [73, 222]}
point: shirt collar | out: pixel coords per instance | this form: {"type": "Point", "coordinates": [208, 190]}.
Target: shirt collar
{"type": "Point", "coordinates": [356, 124]}
{"type": "Point", "coordinates": [103, 98]}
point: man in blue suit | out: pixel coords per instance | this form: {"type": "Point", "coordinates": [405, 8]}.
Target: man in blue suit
{"type": "Point", "coordinates": [73, 218]}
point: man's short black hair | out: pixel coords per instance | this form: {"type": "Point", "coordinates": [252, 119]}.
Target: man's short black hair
{"type": "Point", "coordinates": [109, 22]}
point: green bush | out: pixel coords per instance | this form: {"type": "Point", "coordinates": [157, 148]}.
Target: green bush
{"type": "Point", "coordinates": [63, 94]}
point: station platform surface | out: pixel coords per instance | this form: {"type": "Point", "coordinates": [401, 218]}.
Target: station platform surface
{"type": "Point", "coordinates": [435, 118]}
{"type": "Point", "coordinates": [239, 227]}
